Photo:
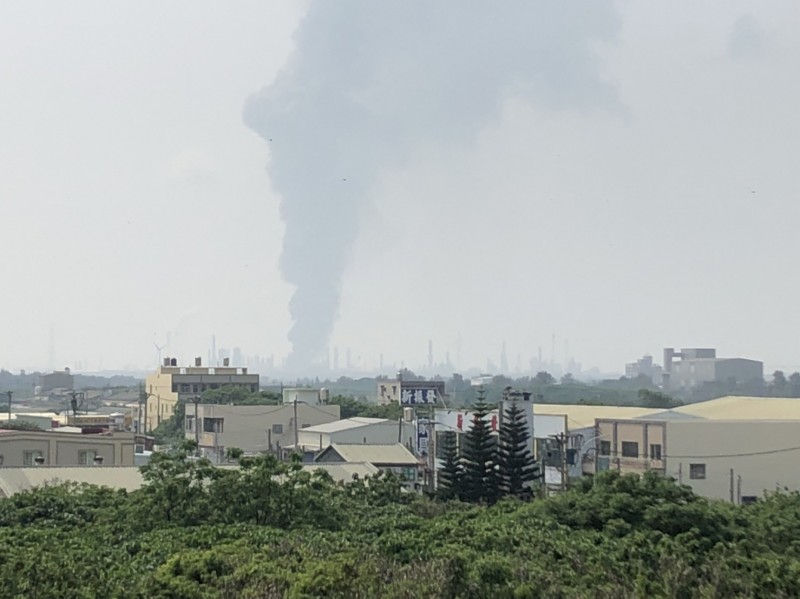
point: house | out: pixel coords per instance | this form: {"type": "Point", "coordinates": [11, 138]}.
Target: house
{"type": "Point", "coordinates": [65, 447]}
{"type": "Point", "coordinates": [253, 429]}
{"type": "Point", "coordinates": [362, 430]}
{"type": "Point", "coordinates": [393, 458]}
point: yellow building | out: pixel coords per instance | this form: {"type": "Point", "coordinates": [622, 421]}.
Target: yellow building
{"type": "Point", "coordinates": [171, 384]}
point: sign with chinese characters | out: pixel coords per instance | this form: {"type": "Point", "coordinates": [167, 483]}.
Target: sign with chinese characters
{"type": "Point", "coordinates": [418, 397]}
{"type": "Point", "coordinates": [423, 435]}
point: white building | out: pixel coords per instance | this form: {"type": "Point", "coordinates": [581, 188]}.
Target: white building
{"type": "Point", "coordinates": [368, 431]}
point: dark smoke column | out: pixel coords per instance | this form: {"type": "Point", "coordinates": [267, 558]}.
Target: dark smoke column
{"type": "Point", "coordinates": [368, 81]}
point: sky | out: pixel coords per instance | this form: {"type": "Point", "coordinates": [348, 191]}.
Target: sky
{"type": "Point", "coordinates": [626, 182]}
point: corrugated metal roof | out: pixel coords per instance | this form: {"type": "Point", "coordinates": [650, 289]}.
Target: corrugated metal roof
{"type": "Point", "coordinates": [744, 408]}
{"type": "Point", "coordinates": [343, 425]}
{"type": "Point", "coordinates": [15, 480]}
{"type": "Point", "coordinates": [395, 453]}
{"type": "Point", "coordinates": [583, 416]}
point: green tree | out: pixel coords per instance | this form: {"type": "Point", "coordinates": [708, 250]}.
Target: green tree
{"type": "Point", "coordinates": [656, 399]}
{"type": "Point", "coordinates": [480, 457]}
{"type": "Point", "coordinates": [450, 475]}
{"type": "Point", "coordinates": [544, 378]}
{"type": "Point", "coordinates": [517, 467]}
{"type": "Point", "coordinates": [779, 383]}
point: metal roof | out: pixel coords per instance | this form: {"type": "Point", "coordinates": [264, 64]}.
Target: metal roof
{"type": "Point", "coordinates": [583, 416]}
{"type": "Point", "coordinates": [744, 408]}
{"type": "Point", "coordinates": [395, 453]}
{"type": "Point", "coordinates": [15, 480]}
{"type": "Point", "coordinates": [345, 472]}
{"type": "Point", "coordinates": [343, 425]}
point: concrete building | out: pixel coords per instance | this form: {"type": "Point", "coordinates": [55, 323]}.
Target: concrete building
{"type": "Point", "coordinates": [410, 392]}
{"type": "Point", "coordinates": [172, 383]}
{"type": "Point", "coordinates": [701, 365]}
{"type": "Point", "coordinates": [59, 379]}
{"type": "Point", "coordinates": [644, 367]}
{"type": "Point", "coordinates": [732, 448]}
{"type": "Point", "coordinates": [253, 429]}
{"type": "Point", "coordinates": [393, 458]}
{"type": "Point", "coordinates": [368, 431]}
{"type": "Point", "coordinates": [308, 395]}
{"type": "Point", "coordinates": [65, 447]}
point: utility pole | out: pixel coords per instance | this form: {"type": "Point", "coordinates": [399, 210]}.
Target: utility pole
{"type": "Point", "coordinates": [732, 496]}
{"type": "Point", "coordinates": [9, 393]}
{"type": "Point", "coordinates": [142, 399]}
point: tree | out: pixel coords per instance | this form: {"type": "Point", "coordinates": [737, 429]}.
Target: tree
{"type": "Point", "coordinates": [544, 378]}
{"type": "Point", "coordinates": [657, 399]}
{"type": "Point", "coordinates": [779, 382]}
{"type": "Point", "coordinates": [480, 456]}
{"type": "Point", "coordinates": [517, 467]}
{"type": "Point", "coordinates": [450, 483]}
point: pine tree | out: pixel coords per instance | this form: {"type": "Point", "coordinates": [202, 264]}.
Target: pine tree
{"type": "Point", "coordinates": [450, 475]}
{"type": "Point", "coordinates": [480, 457]}
{"type": "Point", "coordinates": [517, 467]}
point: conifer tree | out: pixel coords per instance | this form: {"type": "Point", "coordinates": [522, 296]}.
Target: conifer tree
{"type": "Point", "coordinates": [450, 475]}
{"type": "Point", "coordinates": [517, 467]}
{"type": "Point", "coordinates": [480, 456]}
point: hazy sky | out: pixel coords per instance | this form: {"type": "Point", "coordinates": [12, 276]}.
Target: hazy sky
{"type": "Point", "coordinates": [135, 200]}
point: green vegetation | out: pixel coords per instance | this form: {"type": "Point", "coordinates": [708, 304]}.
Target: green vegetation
{"type": "Point", "coordinates": [270, 530]}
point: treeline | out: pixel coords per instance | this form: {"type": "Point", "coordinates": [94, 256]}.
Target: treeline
{"type": "Point", "coordinates": [271, 530]}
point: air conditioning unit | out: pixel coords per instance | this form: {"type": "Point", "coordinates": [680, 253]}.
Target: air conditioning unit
{"type": "Point", "coordinates": [408, 414]}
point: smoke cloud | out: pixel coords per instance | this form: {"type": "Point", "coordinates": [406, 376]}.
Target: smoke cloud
{"type": "Point", "coordinates": [368, 81]}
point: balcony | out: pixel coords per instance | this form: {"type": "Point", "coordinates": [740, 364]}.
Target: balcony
{"type": "Point", "coordinates": [636, 465]}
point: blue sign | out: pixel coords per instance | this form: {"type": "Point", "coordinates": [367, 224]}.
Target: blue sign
{"type": "Point", "coordinates": [418, 397]}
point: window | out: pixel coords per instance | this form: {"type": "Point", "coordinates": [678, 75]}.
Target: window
{"type": "Point", "coordinates": [277, 429]}
{"type": "Point", "coordinates": [86, 457]}
{"type": "Point", "coordinates": [29, 457]}
{"type": "Point", "coordinates": [190, 423]}
{"type": "Point", "coordinates": [697, 471]}
{"type": "Point", "coordinates": [605, 447]}
{"type": "Point", "coordinates": [213, 425]}
{"type": "Point", "coordinates": [630, 449]}
{"type": "Point", "coordinates": [655, 451]}
{"type": "Point", "coordinates": [2, 459]}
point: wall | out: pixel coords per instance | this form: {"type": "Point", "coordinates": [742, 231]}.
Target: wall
{"type": "Point", "coordinates": [253, 428]}
{"type": "Point", "coordinates": [618, 432]}
{"type": "Point", "coordinates": [63, 449]}
{"type": "Point", "coordinates": [773, 466]}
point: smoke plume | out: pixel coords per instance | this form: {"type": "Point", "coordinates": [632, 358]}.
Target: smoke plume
{"type": "Point", "coordinates": [369, 80]}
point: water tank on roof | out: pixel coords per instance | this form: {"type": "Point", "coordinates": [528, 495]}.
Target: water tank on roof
{"type": "Point", "coordinates": [173, 362]}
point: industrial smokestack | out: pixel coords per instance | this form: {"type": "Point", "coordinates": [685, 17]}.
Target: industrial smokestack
{"type": "Point", "coordinates": [369, 82]}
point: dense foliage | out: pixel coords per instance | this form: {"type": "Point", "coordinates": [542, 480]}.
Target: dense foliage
{"type": "Point", "coordinates": [273, 530]}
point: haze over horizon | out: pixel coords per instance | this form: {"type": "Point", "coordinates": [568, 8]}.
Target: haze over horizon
{"type": "Point", "coordinates": [622, 177]}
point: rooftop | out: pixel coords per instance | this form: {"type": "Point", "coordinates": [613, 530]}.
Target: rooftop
{"type": "Point", "coordinates": [392, 454]}
{"type": "Point", "coordinates": [583, 416]}
{"type": "Point", "coordinates": [16, 480]}
{"type": "Point", "coordinates": [343, 425]}
{"type": "Point", "coordinates": [744, 408]}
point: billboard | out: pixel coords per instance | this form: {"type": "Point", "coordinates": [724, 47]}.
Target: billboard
{"type": "Point", "coordinates": [419, 397]}
{"type": "Point", "coordinates": [423, 435]}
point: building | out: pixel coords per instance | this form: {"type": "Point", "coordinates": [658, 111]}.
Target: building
{"type": "Point", "coordinates": [65, 447]}
{"type": "Point", "coordinates": [307, 395]}
{"type": "Point", "coordinates": [701, 365]}
{"type": "Point", "coordinates": [59, 379]}
{"type": "Point", "coordinates": [732, 448]}
{"type": "Point", "coordinates": [172, 383]}
{"type": "Point", "coordinates": [392, 458]}
{"type": "Point", "coordinates": [369, 431]}
{"type": "Point", "coordinates": [644, 367]}
{"type": "Point", "coordinates": [253, 429]}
